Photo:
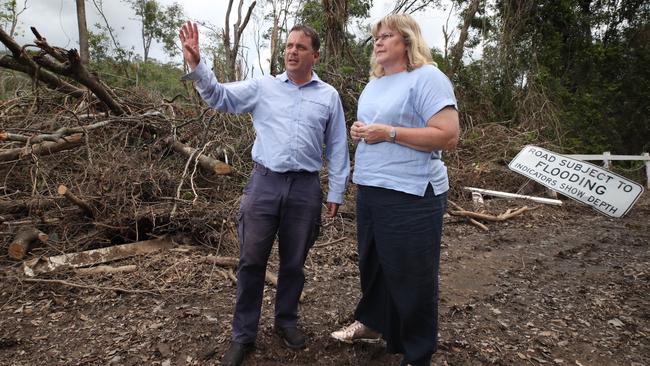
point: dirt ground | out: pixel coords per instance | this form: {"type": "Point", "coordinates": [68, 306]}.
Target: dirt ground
{"type": "Point", "coordinates": [554, 286]}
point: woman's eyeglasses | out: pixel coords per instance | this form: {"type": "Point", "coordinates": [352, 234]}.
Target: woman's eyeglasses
{"type": "Point", "coordinates": [382, 37]}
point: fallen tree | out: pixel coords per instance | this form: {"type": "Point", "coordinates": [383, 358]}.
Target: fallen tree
{"type": "Point", "coordinates": [53, 61]}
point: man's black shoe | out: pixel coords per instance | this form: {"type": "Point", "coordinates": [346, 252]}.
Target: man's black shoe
{"type": "Point", "coordinates": [236, 353]}
{"type": "Point", "coordinates": [292, 337]}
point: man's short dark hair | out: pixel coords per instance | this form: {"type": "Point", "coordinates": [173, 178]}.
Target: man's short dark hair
{"type": "Point", "coordinates": [309, 32]}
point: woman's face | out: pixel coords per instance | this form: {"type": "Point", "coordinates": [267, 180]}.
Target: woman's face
{"type": "Point", "coordinates": [390, 49]}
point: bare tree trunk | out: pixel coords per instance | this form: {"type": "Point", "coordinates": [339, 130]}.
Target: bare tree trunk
{"type": "Point", "coordinates": [336, 17]}
{"type": "Point", "coordinates": [275, 35]}
{"type": "Point", "coordinates": [83, 32]}
{"type": "Point", "coordinates": [232, 51]}
{"type": "Point", "coordinates": [459, 47]}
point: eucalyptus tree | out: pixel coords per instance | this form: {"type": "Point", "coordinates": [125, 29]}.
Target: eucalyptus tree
{"type": "Point", "coordinates": [158, 23]}
{"type": "Point", "coordinates": [9, 13]}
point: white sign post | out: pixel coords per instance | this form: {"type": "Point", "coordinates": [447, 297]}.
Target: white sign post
{"type": "Point", "coordinates": [603, 190]}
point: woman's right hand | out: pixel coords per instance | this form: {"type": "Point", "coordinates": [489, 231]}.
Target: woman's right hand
{"type": "Point", "coordinates": [189, 36]}
{"type": "Point", "coordinates": [355, 131]}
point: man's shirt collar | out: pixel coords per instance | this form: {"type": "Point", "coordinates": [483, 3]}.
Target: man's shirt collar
{"type": "Point", "coordinates": [314, 78]}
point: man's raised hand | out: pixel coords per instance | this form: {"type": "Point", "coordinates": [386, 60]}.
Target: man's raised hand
{"type": "Point", "coordinates": [189, 36]}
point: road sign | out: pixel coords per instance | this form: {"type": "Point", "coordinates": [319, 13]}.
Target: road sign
{"type": "Point", "coordinates": [590, 184]}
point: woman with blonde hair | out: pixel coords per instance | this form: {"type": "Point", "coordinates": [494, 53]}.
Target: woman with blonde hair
{"type": "Point", "coordinates": [407, 115]}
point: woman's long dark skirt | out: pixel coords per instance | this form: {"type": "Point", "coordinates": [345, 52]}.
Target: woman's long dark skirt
{"type": "Point", "coordinates": [399, 258]}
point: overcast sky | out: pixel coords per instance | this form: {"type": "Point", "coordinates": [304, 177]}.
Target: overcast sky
{"type": "Point", "coordinates": [56, 20]}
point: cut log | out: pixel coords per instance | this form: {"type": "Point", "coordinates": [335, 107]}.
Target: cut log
{"type": "Point", "coordinates": [95, 256]}
{"type": "Point", "coordinates": [86, 208]}
{"type": "Point", "coordinates": [207, 163]}
{"type": "Point", "coordinates": [24, 240]}
{"type": "Point", "coordinates": [43, 149]}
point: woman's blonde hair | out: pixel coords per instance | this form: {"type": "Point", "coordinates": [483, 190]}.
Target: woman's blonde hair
{"type": "Point", "coordinates": [417, 50]}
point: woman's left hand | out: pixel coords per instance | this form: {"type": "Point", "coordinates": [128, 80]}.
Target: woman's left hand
{"type": "Point", "coordinates": [374, 133]}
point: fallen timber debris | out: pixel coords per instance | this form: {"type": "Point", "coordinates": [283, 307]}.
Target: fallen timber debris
{"type": "Point", "coordinates": [207, 163]}
{"type": "Point", "coordinates": [43, 149]}
{"type": "Point", "coordinates": [471, 220]}
{"type": "Point", "coordinates": [85, 207]}
{"type": "Point", "coordinates": [107, 269]}
{"type": "Point", "coordinates": [95, 256]}
{"type": "Point", "coordinates": [510, 213]}
{"type": "Point", "coordinates": [24, 240]}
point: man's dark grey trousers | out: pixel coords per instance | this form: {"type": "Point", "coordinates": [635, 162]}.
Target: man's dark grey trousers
{"type": "Point", "coordinates": [287, 205]}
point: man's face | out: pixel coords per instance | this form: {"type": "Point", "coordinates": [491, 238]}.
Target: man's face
{"type": "Point", "coordinates": [299, 56]}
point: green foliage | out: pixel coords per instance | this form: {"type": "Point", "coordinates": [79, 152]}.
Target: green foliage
{"type": "Point", "coordinates": [312, 14]}
{"type": "Point", "coordinates": [157, 78]}
{"type": "Point", "coordinates": [9, 14]}
{"type": "Point", "coordinates": [11, 82]}
{"type": "Point", "coordinates": [7, 8]}
{"type": "Point", "coordinates": [99, 44]}
{"type": "Point", "coordinates": [575, 69]}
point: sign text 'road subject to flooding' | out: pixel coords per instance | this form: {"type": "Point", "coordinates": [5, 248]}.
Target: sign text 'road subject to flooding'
{"type": "Point", "coordinates": [605, 191]}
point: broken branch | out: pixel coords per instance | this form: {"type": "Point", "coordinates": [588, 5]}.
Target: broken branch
{"type": "Point", "coordinates": [504, 216]}
{"type": "Point", "coordinates": [107, 269]}
{"type": "Point", "coordinates": [85, 207]}
{"type": "Point", "coordinates": [71, 284]}
{"type": "Point", "coordinates": [43, 149]}
{"type": "Point", "coordinates": [471, 220]}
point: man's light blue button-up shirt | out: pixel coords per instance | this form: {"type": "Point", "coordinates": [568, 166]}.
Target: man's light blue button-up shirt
{"type": "Point", "coordinates": [292, 122]}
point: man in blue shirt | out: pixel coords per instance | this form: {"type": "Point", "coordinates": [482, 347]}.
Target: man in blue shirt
{"type": "Point", "coordinates": [294, 114]}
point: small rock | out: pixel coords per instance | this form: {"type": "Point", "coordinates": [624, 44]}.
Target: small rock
{"type": "Point", "coordinates": [616, 323]}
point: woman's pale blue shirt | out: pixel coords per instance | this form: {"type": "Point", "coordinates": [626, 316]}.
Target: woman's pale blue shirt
{"type": "Point", "coordinates": [406, 99]}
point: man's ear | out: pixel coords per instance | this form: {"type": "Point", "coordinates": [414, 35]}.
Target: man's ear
{"type": "Point", "coordinates": [316, 56]}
